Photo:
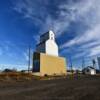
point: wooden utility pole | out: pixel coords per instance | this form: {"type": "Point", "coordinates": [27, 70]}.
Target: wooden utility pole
{"type": "Point", "coordinates": [83, 63]}
{"type": "Point", "coordinates": [71, 65]}
{"type": "Point", "coordinates": [29, 58]}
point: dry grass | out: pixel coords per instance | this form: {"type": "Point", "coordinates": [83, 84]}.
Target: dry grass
{"type": "Point", "coordinates": [15, 76]}
{"type": "Point", "coordinates": [20, 76]}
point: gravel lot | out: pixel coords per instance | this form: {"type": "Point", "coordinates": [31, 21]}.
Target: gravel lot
{"type": "Point", "coordinates": [70, 88]}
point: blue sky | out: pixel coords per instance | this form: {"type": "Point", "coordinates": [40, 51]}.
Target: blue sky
{"type": "Point", "coordinates": [76, 24]}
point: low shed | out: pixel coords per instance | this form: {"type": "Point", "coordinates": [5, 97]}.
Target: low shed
{"type": "Point", "coordinates": [89, 70]}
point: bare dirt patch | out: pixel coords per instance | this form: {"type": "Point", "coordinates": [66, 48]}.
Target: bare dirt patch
{"type": "Point", "coordinates": [70, 88]}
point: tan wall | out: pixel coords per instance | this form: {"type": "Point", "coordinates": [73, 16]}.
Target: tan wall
{"type": "Point", "coordinates": [51, 65]}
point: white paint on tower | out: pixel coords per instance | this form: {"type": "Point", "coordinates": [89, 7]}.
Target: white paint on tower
{"type": "Point", "coordinates": [47, 44]}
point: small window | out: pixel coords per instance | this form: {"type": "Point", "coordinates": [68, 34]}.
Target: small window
{"type": "Point", "coordinates": [51, 38]}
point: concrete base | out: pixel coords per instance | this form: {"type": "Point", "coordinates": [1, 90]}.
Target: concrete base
{"type": "Point", "coordinates": [48, 65]}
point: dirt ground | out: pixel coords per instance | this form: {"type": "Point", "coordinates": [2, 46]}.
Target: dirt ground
{"type": "Point", "coordinates": [70, 88]}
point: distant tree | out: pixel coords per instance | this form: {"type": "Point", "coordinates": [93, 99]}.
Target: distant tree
{"type": "Point", "coordinates": [9, 70]}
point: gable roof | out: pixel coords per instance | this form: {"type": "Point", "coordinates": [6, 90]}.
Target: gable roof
{"type": "Point", "coordinates": [89, 68]}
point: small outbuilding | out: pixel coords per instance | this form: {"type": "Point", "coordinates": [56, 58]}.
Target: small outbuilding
{"type": "Point", "coordinates": [89, 70]}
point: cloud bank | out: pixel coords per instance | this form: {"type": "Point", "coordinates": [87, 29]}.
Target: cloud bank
{"type": "Point", "coordinates": [58, 16]}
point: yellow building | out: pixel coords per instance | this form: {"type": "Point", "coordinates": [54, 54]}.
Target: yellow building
{"type": "Point", "coordinates": [48, 65]}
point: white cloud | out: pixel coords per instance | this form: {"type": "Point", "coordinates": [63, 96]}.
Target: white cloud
{"type": "Point", "coordinates": [90, 45]}
{"type": "Point", "coordinates": [26, 55]}
{"type": "Point", "coordinates": [37, 11]}
{"type": "Point", "coordinates": [88, 11]}
{"type": "Point", "coordinates": [89, 35]}
{"type": "Point", "coordinates": [94, 51]}
{"type": "Point", "coordinates": [78, 55]}
{"type": "Point", "coordinates": [90, 39]}
{"type": "Point", "coordinates": [36, 38]}
{"type": "Point", "coordinates": [14, 66]}
{"type": "Point", "coordinates": [66, 13]}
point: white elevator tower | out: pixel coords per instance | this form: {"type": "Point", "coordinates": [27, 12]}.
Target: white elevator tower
{"type": "Point", "coordinates": [47, 44]}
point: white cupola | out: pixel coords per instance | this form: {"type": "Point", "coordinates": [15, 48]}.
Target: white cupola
{"type": "Point", "coordinates": [47, 44]}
